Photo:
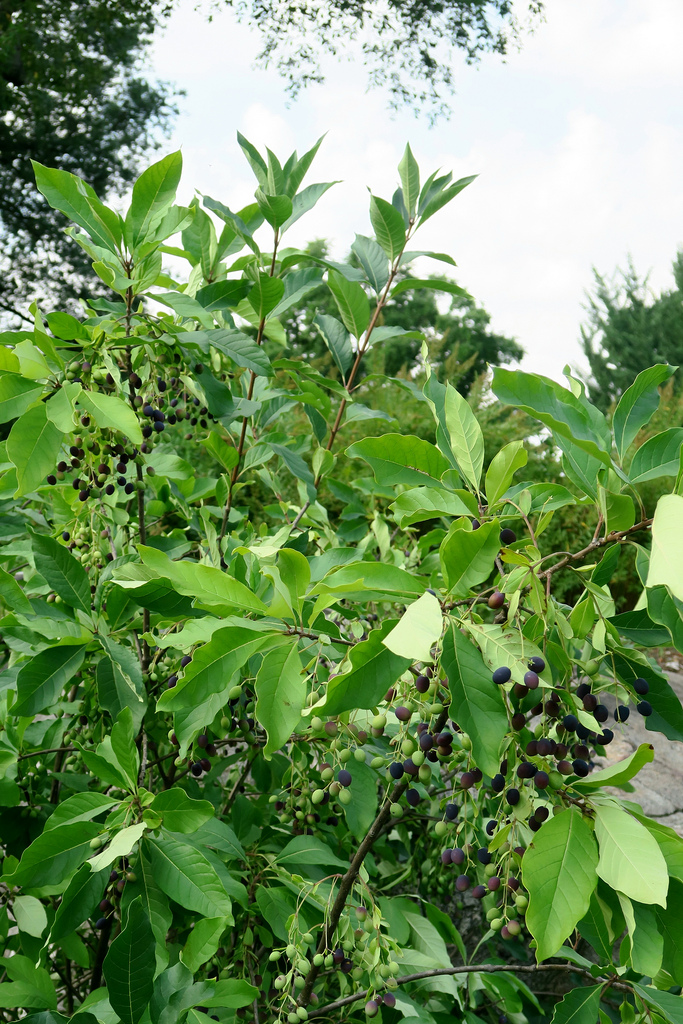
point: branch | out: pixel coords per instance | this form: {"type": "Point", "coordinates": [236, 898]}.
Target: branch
{"type": "Point", "coordinates": [599, 542]}
{"type": "Point", "coordinates": [473, 969]}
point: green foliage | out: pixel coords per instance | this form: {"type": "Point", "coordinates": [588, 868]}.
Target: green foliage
{"type": "Point", "coordinates": [264, 669]}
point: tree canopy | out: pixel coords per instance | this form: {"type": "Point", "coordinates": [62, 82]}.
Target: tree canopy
{"type": "Point", "coordinates": [629, 328]}
{"type": "Point", "coordinates": [71, 96]}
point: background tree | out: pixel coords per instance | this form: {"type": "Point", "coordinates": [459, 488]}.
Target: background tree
{"type": "Point", "coordinates": [71, 96]}
{"type": "Point", "coordinates": [408, 46]}
{"type": "Point", "coordinates": [629, 328]}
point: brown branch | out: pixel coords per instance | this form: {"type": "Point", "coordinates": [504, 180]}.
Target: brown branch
{"type": "Point", "coordinates": [472, 969]}
{"type": "Point", "coordinates": [347, 883]}
{"type": "Point", "coordinates": [615, 537]}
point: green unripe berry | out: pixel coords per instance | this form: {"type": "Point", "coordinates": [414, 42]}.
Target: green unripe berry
{"type": "Point", "coordinates": [292, 1018]}
{"type": "Point", "coordinates": [345, 755]}
{"type": "Point", "coordinates": [308, 938]}
{"type": "Point", "coordinates": [436, 709]}
{"type": "Point", "coordinates": [418, 758]}
{"type": "Point", "coordinates": [317, 796]}
{"type": "Point", "coordinates": [327, 774]}
{"type": "Point", "coordinates": [394, 968]}
{"type": "Point", "coordinates": [396, 811]}
{"type": "Point", "coordinates": [440, 829]}
{"type": "Point", "coordinates": [357, 973]}
{"type": "Point", "coordinates": [496, 924]}
{"type": "Point", "coordinates": [490, 870]}
{"type": "Point", "coordinates": [275, 955]}
{"type": "Point", "coordinates": [425, 773]}
{"type": "Point", "coordinates": [344, 797]}
{"type": "Point", "coordinates": [465, 742]}
{"type": "Point", "coordinates": [318, 960]}
{"type": "Point", "coordinates": [96, 843]}
{"type": "Point", "coordinates": [359, 755]}
{"type": "Point", "coordinates": [493, 914]}
{"type": "Point", "coordinates": [379, 721]}
{"type": "Point", "coordinates": [302, 965]}
{"type": "Point", "coordinates": [329, 960]}
{"type": "Point", "coordinates": [317, 724]}
{"type": "Point", "coordinates": [290, 951]}
{"type": "Point", "coordinates": [302, 1013]}
{"type": "Point", "coordinates": [235, 692]}
{"type": "Point", "coordinates": [407, 747]}
{"type": "Point", "coordinates": [377, 762]}
{"type": "Point", "coordinates": [593, 667]}
{"type": "Point", "coordinates": [521, 902]}
{"type": "Point", "coordinates": [556, 780]}
{"type": "Point", "coordinates": [225, 722]}
{"type": "Point", "coordinates": [514, 927]}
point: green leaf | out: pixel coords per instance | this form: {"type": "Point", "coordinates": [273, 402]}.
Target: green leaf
{"type": "Point", "coordinates": [400, 459]}
{"type": "Point", "coordinates": [667, 711]}
{"type": "Point", "coordinates": [645, 938]}
{"type": "Point", "coordinates": [112, 413]}
{"type": "Point", "coordinates": [281, 696]}
{"type": "Point", "coordinates": [477, 703]}
{"type": "Point", "coordinates": [666, 557]}
{"type": "Point", "coordinates": [637, 625]}
{"type": "Point", "coordinates": [630, 859]}
{"type": "Point", "coordinates": [54, 856]}
{"type": "Point", "coordinates": [265, 295]}
{"type": "Point", "coordinates": [372, 669]}
{"type": "Point", "coordinates": [184, 874]}
{"type": "Point", "coordinates": [638, 404]}
{"type": "Point", "coordinates": [208, 585]}
{"type": "Point", "coordinates": [387, 223]}
{"type": "Point", "coordinates": [502, 468]}
{"type": "Point", "coordinates": [337, 339]}
{"type": "Point", "coordinates": [154, 903]}
{"type": "Point", "coordinates": [116, 689]}
{"type": "Point", "coordinates": [62, 572]}
{"type": "Point", "coordinates": [422, 503]}
{"type": "Point", "coordinates": [620, 773]}
{"type": "Point", "coordinates": [122, 845]}
{"type": "Point", "coordinates": [580, 1006]}
{"type": "Point", "coordinates": [275, 209]}
{"type": "Point", "coordinates": [663, 1002]}
{"type": "Point", "coordinates": [79, 807]}
{"type": "Point", "coordinates": [658, 456]}
{"type": "Point", "coordinates": [352, 303]}
{"type": "Point", "coordinates": [665, 609]}
{"type": "Point", "coordinates": [29, 913]}
{"type": "Point", "coordinates": [153, 193]}
{"type": "Point", "coordinates": [79, 902]}
{"type": "Point", "coordinates": [434, 284]}
{"type": "Point", "coordinates": [556, 407]}
{"type": "Point", "coordinates": [373, 260]}
{"type": "Point", "coordinates": [410, 180]}
{"type": "Point", "coordinates": [41, 681]}
{"type": "Point", "coordinates": [74, 198]}
{"type": "Point", "coordinates": [467, 440]}
{"type": "Point", "coordinates": [179, 812]}
{"type": "Point", "coordinates": [203, 690]}
{"type": "Point", "coordinates": [467, 555]}
{"type": "Point", "coordinates": [306, 851]}
{"type": "Point", "coordinates": [204, 940]}
{"type": "Point", "coordinates": [419, 629]}
{"type": "Point", "coordinates": [16, 394]}
{"type": "Point", "coordinates": [559, 873]}
{"type": "Point", "coordinates": [237, 346]}
{"type": "Point", "coordinates": [129, 966]}
{"type": "Point", "coordinates": [371, 581]}
{"type": "Point", "coordinates": [429, 206]}
{"type": "Point", "coordinates": [231, 993]}
{"type": "Point", "coordinates": [13, 596]}
{"type": "Point", "coordinates": [223, 295]}
{"type": "Point", "coordinates": [362, 810]}
{"type": "Point", "coordinates": [33, 448]}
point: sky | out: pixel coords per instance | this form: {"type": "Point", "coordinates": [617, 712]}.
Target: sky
{"type": "Point", "coordinates": [577, 140]}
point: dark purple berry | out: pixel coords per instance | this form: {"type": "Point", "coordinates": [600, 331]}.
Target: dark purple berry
{"type": "Point", "coordinates": [196, 769]}
{"type": "Point", "coordinates": [389, 999]}
{"type": "Point", "coordinates": [101, 923]}
{"type": "Point", "coordinates": [580, 768]}
{"type": "Point", "coordinates": [512, 797]}
{"type": "Point", "coordinates": [531, 680]}
{"type": "Point", "coordinates": [507, 536]}
{"type": "Point", "coordinates": [409, 766]}
{"type": "Point", "coordinates": [413, 797]}
{"type": "Point", "coordinates": [479, 892]}
{"type": "Point", "coordinates": [501, 675]}
{"type": "Point", "coordinates": [483, 856]}
{"type": "Point", "coordinates": [496, 600]}
{"type": "Point", "coordinates": [475, 524]}
{"type": "Point", "coordinates": [403, 714]}
{"type": "Point", "coordinates": [645, 708]}
{"type": "Point", "coordinates": [536, 664]}
{"type": "Point", "coordinates": [446, 857]}
{"type": "Point", "coordinates": [422, 684]}
{"type": "Point", "coordinates": [544, 747]}
{"type": "Point", "coordinates": [185, 660]}
{"type": "Point", "coordinates": [493, 883]}
{"type": "Point", "coordinates": [541, 814]}
{"type": "Point", "coordinates": [458, 856]}
{"type": "Point", "coordinates": [462, 883]}
{"type": "Point", "coordinates": [641, 686]}
{"type": "Point", "coordinates": [451, 811]}
{"type": "Point", "coordinates": [426, 742]}
{"type": "Point", "coordinates": [467, 780]}
{"type": "Point", "coordinates": [570, 722]}
{"type": "Point", "coordinates": [590, 702]}
{"type": "Point", "coordinates": [396, 770]}
{"type": "Point", "coordinates": [582, 689]}
{"type": "Point", "coordinates": [344, 778]}
{"type": "Point", "coordinates": [621, 713]}
{"type": "Point", "coordinates": [541, 780]}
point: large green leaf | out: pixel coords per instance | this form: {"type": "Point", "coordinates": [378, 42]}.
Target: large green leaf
{"type": "Point", "coordinates": [580, 1006]}
{"type": "Point", "coordinates": [33, 448]}
{"type": "Point", "coordinates": [644, 939]}
{"type": "Point", "coordinates": [401, 459]}
{"type": "Point", "coordinates": [371, 581]}
{"type": "Point", "coordinates": [476, 702]}
{"type": "Point", "coordinates": [620, 773]}
{"type": "Point", "coordinates": [117, 686]}
{"type": "Point", "coordinates": [129, 966]}
{"type": "Point", "coordinates": [422, 503]}
{"type": "Point", "coordinates": [555, 406]}
{"type": "Point", "coordinates": [237, 346]}
{"type": "Point", "coordinates": [13, 596]}
{"type": "Point", "coordinates": [467, 440]}
{"type": "Point", "coordinates": [112, 413]}
{"type": "Point", "coordinates": [179, 812]}
{"type": "Point", "coordinates": [184, 874]}
{"type": "Point", "coordinates": [337, 339]}
{"type": "Point", "coordinates": [41, 681]}
{"type": "Point", "coordinates": [83, 893]}
{"type": "Point", "coordinates": [666, 556]}
{"type": "Point", "coordinates": [280, 695]}
{"type": "Point", "coordinates": [630, 859]}
{"type": "Point", "coordinates": [667, 925]}
{"type": "Point", "coordinates": [54, 856]}
{"type": "Point", "coordinates": [389, 227]}
{"type": "Point", "coordinates": [153, 193]}
{"type": "Point", "coordinates": [666, 610]}
{"type": "Point", "coordinates": [658, 456]}
{"type": "Point", "coordinates": [418, 631]}
{"type": "Point", "coordinates": [373, 260]}
{"type": "Point", "coordinates": [410, 180]}
{"type": "Point", "coordinates": [373, 668]}
{"type": "Point", "coordinates": [205, 583]}
{"type": "Point", "coordinates": [275, 209]}
{"type": "Point", "coordinates": [63, 573]}
{"type": "Point", "coordinates": [16, 394]}
{"type": "Point", "coordinates": [559, 873]}
{"type": "Point", "coordinates": [154, 902]}
{"type": "Point", "coordinates": [637, 405]}
{"type": "Point", "coordinates": [74, 198]}
{"type": "Point", "coordinates": [352, 303]}
{"type": "Point", "coordinates": [468, 556]}
{"type": "Point", "coordinates": [502, 468]}
{"type": "Point", "coordinates": [667, 711]}
{"type": "Point", "coordinates": [203, 690]}
{"type": "Point", "coordinates": [203, 942]}
{"type": "Point", "coordinates": [265, 295]}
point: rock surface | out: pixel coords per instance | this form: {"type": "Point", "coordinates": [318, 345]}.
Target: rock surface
{"type": "Point", "coordinates": [659, 786]}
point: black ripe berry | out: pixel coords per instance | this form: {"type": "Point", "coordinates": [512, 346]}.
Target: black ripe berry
{"type": "Point", "coordinates": [570, 722]}
{"type": "Point", "coordinates": [518, 720]}
{"type": "Point", "coordinates": [66, 535]}
{"type": "Point", "coordinates": [605, 737]}
{"type": "Point", "coordinates": [536, 664]}
{"type": "Point", "coordinates": [531, 680]}
{"type": "Point", "coordinates": [580, 768]}
{"type": "Point", "coordinates": [101, 923]}
{"type": "Point", "coordinates": [544, 747]}
{"type": "Point", "coordinates": [451, 811]}
{"type": "Point", "coordinates": [512, 797]}
{"type": "Point", "coordinates": [483, 856]}
{"type": "Point", "coordinates": [541, 780]}
{"type": "Point", "coordinates": [475, 524]}
{"type": "Point", "coordinates": [507, 536]}
{"type": "Point", "coordinates": [479, 892]}
{"type": "Point", "coordinates": [621, 713]}
{"type": "Point", "coordinates": [413, 797]}
{"type": "Point", "coordinates": [396, 770]}
{"type": "Point", "coordinates": [202, 740]}
{"type": "Point", "coordinates": [590, 702]}
{"type": "Point", "coordinates": [458, 856]}
{"type": "Point", "coordinates": [491, 827]}
{"type": "Point", "coordinates": [196, 769]}
{"type": "Point", "coordinates": [601, 713]}
{"type": "Point", "coordinates": [582, 689]}
{"type": "Point", "coordinates": [422, 684]}
{"type": "Point", "coordinates": [641, 686]}
{"type": "Point", "coordinates": [185, 660]}
{"type": "Point", "coordinates": [541, 814]}
{"type": "Point", "coordinates": [344, 777]}
{"type": "Point", "coordinates": [582, 732]}
{"type": "Point", "coordinates": [462, 883]}
{"type": "Point", "coordinates": [501, 675]}
{"type": "Point", "coordinates": [645, 708]}
{"type": "Point", "coordinates": [498, 783]}
{"type": "Point", "coordinates": [409, 766]}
